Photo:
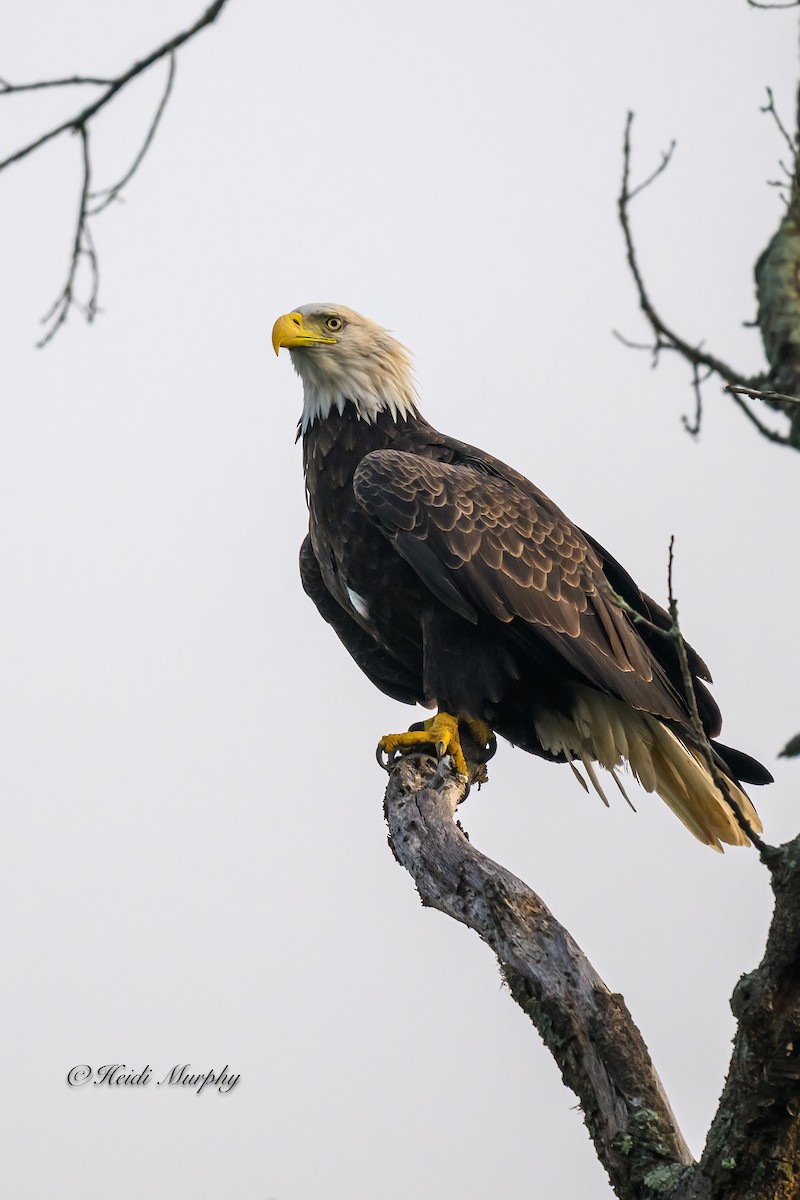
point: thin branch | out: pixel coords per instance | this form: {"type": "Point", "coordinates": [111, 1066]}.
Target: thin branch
{"type": "Point", "coordinates": [772, 435]}
{"type": "Point", "coordinates": [758, 4]}
{"type": "Point", "coordinates": [693, 427]}
{"type": "Point", "coordinates": [769, 107]}
{"type": "Point", "coordinates": [757, 395]}
{"type": "Point", "coordinates": [664, 337]}
{"type": "Point", "coordinates": [116, 85]}
{"type": "Point", "coordinates": [666, 157]}
{"type": "Point", "coordinates": [83, 243]}
{"type": "Point", "coordinates": [9, 89]}
{"type": "Point", "coordinates": [83, 247]}
{"type": "Point", "coordinates": [783, 189]}
{"type": "Point", "coordinates": [653, 348]}
{"type": "Point", "coordinates": [110, 194]}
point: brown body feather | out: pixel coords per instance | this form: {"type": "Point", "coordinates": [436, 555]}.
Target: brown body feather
{"type": "Point", "coordinates": [453, 580]}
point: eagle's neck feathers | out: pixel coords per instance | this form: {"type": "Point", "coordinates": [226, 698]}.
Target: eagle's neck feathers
{"type": "Point", "coordinates": [380, 382]}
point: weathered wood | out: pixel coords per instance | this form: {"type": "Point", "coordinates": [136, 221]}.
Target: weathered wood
{"type": "Point", "coordinates": [753, 1147]}
{"type": "Point", "coordinates": [586, 1027]}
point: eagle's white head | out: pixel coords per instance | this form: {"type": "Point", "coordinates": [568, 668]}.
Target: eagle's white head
{"type": "Point", "coordinates": [341, 356]}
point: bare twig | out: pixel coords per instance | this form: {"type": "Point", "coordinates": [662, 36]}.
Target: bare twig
{"type": "Point", "coordinates": [83, 244]}
{"type": "Point", "coordinates": [664, 337]}
{"type": "Point", "coordinates": [9, 89]}
{"type": "Point", "coordinates": [758, 395]}
{"type": "Point", "coordinates": [693, 427]}
{"type": "Point", "coordinates": [666, 157]}
{"type": "Point", "coordinates": [83, 247]}
{"type": "Point", "coordinates": [758, 4]}
{"type": "Point", "coordinates": [769, 107]}
{"type": "Point", "coordinates": [107, 195]}
{"type": "Point", "coordinates": [783, 189]}
{"type": "Point", "coordinates": [653, 348]}
{"type": "Point", "coordinates": [116, 85]}
{"type": "Point", "coordinates": [772, 435]}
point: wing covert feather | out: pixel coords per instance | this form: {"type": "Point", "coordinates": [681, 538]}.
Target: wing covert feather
{"type": "Point", "coordinates": [508, 552]}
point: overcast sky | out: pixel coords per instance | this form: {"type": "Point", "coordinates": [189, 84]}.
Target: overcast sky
{"type": "Point", "coordinates": [194, 863]}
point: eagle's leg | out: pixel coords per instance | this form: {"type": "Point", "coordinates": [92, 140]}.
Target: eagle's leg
{"type": "Point", "coordinates": [483, 737]}
{"type": "Point", "coordinates": [442, 732]}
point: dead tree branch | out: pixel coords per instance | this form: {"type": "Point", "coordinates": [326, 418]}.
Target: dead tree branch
{"type": "Point", "coordinates": [587, 1028]}
{"type": "Point", "coordinates": [767, 395]}
{"type": "Point", "coordinates": [72, 81]}
{"type": "Point", "coordinates": [664, 336]}
{"type": "Point", "coordinates": [107, 195]}
{"type": "Point", "coordinates": [82, 249]}
{"type": "Point", "coordinates": [753, 1147]}
{"type": "Point", "coordinates": [79, 122]}
{"type": "Point", "coordinates": [770, 108]}
{"type": "Point", "coordinates": [758, 4]}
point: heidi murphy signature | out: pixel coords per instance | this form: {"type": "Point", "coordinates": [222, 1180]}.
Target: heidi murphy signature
{"type": "Point", "coordinates": [118, 1075]}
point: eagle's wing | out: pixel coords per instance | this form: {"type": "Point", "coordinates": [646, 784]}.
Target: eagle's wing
{"type": "Point", "coordinates": [381, 667]}
{"type": "Point", "coordinates": [664, 649]}
{"type": "Point", "coordinates": [487, 543]}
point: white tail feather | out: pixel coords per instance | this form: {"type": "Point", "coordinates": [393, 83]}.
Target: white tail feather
{"type": "Point", "coordinates": [579, 777]}
{"type": "Point", "coordinates": [605, 730]}
{"type": "Point", "coordinates": [619, 784]}
{"type": "Point", "coordinates": [590, 771]}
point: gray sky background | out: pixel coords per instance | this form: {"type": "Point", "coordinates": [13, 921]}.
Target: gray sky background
{"type": "Point", "coordinates": [194, 864]}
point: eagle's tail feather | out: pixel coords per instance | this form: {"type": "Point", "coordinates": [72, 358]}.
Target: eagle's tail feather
{"type": "Point", "coordinates": [684, 782]}
{"type": "Point", "coordinates": [605, 730]}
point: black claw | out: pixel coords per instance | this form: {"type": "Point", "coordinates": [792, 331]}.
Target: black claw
{"type": "Point", "coordinates": [384, 765]}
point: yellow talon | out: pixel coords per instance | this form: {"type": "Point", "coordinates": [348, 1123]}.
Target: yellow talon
{"type": "Point", "coordinates": [440, 731]}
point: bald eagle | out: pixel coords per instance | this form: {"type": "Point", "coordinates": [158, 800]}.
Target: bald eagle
{"type": "Point", "coordinates": [456, 584]}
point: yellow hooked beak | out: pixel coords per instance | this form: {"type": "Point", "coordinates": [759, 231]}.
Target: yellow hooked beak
{"type": "Point", "coordinates": [290, 331]}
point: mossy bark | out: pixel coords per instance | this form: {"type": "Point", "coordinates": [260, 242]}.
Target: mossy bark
{"type": "Point", "coordinates": [778, 285]}
{"type": "Point", "coordinates": [753, 1147]}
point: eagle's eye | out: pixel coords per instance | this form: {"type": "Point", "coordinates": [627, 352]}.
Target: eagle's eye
{"type": "Point", "coordinates": [334, 324]}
